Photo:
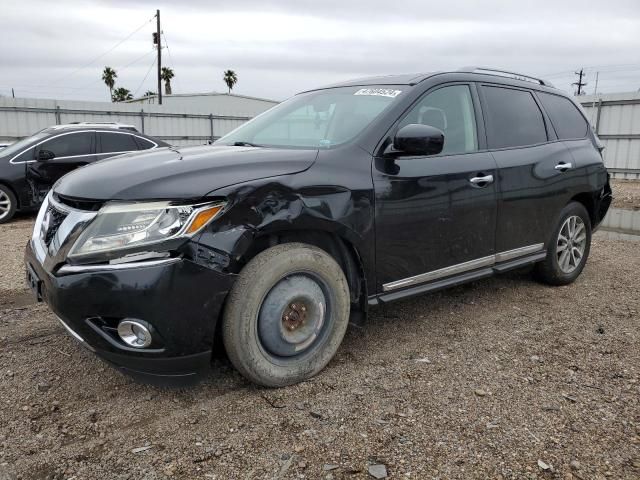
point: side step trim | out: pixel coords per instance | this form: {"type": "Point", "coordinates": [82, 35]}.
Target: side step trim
{"type": "Point", "coordinates": [457, 279]}
{"type": "Point", "coordinates": [464, 267]}
{"type": "Point", "coordinates": [443, 272]}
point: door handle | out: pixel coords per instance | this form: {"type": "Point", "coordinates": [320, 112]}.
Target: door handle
{"type": "Point", "coordinates": [481, 181]}
{"type": "Point", "coordinates": [563, 167]}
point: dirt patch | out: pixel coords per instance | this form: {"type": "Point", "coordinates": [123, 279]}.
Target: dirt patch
{"type": "Point", "coordinates": [503, 378]}
{"type": "Point", "coordinates": [626, 194]}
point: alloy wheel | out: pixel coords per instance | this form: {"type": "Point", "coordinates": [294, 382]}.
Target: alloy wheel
{"type": "Point", "coordinates": [5, 204]}
{"type": "Point", "coordinates": [571, 244]}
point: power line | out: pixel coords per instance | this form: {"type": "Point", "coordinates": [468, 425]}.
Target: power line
{"type": "Point", "coordinates": [145, 77]}
{"type": "Point", "coordinates": [117, 69]}
{"type": "Point", "coordinates": [170, 56]}
{"type": "Point", "coordinates": [105, 53]}
{"type": "Point", "coordinates": [73, 89]}
{"type": "Point", "coordinates": [601, 68]}
{"type": "Point", "coordinates": [580, 83]}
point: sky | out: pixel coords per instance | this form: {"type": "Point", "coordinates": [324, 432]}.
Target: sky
{"type": "Point", "coordinates": [58, 49]}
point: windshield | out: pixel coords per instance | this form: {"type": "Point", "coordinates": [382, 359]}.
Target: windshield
{"type": "Point", "coordinates": [316, 119]}
{"type": "Point", "coordinates": [21, 144]}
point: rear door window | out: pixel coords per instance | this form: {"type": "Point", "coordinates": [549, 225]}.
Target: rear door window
{"type": "Point", "coordinates": [565, 117]}
{"type": "Point", "coordinates": [69, 145]}
{"type": "Point", "coordinates": [513, 118]}
{"type": "Point", "coordinates": [112, 142]}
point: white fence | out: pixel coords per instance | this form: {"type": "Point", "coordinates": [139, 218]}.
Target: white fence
{"type": "Point", "coordinates": [22, 117]}
{"type": "Point", "coordinates": [616, 119]}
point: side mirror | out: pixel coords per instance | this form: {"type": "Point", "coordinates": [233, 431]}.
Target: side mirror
{"type": "Point", "coordinates": [418, 139]}
{"type": "Point", "coordinates": [45, 155]}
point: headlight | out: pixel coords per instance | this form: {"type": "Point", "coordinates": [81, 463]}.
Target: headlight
{"type": "Point", "coordinates": [128, 225]}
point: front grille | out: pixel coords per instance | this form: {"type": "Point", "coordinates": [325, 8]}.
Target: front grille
{"type": "Point", "coordinates": [51, 223]}
{"type": "Point", "coordinates": [79, 203]}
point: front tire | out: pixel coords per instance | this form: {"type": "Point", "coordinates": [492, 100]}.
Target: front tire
{"type": "Point", "coordinates": [8, 204]}
{"type": "Point", "coordinates": [286, 315]}
{"type": "Point", "coordinates": [568, 248]}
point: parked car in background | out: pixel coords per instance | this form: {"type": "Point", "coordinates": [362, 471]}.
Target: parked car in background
{"type": "Point", "coordinates": [334, 201]}
{"type": "Point", "coordinates": [29, 167]}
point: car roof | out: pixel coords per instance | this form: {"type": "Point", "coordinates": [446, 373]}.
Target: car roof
{"type": "Point", "coordinates": [85, 125]}
{"type": "Point", "coordinates": [502, 76]}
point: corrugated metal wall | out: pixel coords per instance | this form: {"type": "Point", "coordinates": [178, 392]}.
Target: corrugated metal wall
{"type": "Point", "coordinates": [22, 117]}
{"type": "Point", "coordinates": [616, 118]}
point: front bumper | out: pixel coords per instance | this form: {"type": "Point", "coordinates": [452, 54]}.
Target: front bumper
{"type": "Point", "coordinates": [181, 300]}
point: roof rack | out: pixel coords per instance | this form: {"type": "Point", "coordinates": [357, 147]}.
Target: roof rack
{"type": "Point", "coordinates": [123, 126]}
{"type": "Point", "coordinates": [506, 74]}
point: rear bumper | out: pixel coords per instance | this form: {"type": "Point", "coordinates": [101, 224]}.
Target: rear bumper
{"type": "Point", "coordinates": [180, 300]}
{"type": "Point", "coordinates": [603, 203]}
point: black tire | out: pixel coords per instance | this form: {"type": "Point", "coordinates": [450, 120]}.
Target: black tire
{"type": "Point", "coordinates": [550, 270]}
{"type": "Point", "coordinates": [272, 290]}
{"type": "Point", "coordinates": [8, 204]}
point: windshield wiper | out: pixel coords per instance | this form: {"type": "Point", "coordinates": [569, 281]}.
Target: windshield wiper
{"type": "Point", "coordinates": [245, 144]}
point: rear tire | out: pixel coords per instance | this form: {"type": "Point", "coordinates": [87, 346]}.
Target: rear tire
{"type": "Point", "coordinates": [286, 315]}
{"type": "Point", "coordinates": [568, 248]}
{"type": "Point", "coordinates": [8, 204]}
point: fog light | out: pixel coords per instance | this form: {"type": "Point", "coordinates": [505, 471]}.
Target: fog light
{"type": "Point", "coordinates": [134, 333]}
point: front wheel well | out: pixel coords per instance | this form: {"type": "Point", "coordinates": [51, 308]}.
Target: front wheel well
{"type": "Point", "coordinates": [340, 249]}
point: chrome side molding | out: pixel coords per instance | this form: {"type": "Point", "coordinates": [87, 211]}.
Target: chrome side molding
{"type": "Point", "coordinates": [464, 267]}
{"type": "Point", "coordinates": [69, 269]}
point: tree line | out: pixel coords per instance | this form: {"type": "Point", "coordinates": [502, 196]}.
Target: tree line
{"type": "Point", "coordinates": [122, 94]}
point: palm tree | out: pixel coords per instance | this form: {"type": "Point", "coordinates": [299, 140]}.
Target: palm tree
{"type": "Point", "coordinates": [230, 78]}
{"type": "Point", "coordinates": [109, 76]}
{"type": "Point", "coordinates": [149, 93]}
{"type": "Point", "coordinates": [167, 75]}
{"type": "Point", "coordinates": [121, 94]}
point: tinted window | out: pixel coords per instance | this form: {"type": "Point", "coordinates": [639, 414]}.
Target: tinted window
{"type": "Point", "coordinates": [513, 118]}
{"type": "Point", "coordinates": [451, 110]}
{"type": "Point", "coordinates": [69, 144]}
{"type": "Point", "coordinates": [315, 119]}
{"type": "Point", "coordinates": [117, 142]}
{"type": "Point", "coordinates": [143, 143]}
{"type": "Point", "coordinates": [565, 117]}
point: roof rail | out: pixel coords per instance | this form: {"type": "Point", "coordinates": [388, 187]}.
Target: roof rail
{"type": "Point", "coordinates": [123, 126]}
{"type": "Point", "coordinates": [506, 74]}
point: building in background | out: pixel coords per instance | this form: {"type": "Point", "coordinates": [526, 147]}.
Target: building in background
{"type": "Point", "coordinates": [615, 117]}
{"type": "Point", "coordinates": [220, 103]}
{"type": "Point", "coordinates": [180, 120]}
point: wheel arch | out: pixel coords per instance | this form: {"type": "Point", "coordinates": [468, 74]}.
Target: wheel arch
{"type": "Point", "coordinates": [588, 201]}
{"type": "Point", "coordinates": [341, 249]}
{"type": "Point", "coordinates": [7, 184]}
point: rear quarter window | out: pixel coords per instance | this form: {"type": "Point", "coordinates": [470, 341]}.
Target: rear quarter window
{"type": "Point", "coordinates": [143, 143]}
{"type": "Point", "coordinates": [116, 142]}
{"type": "Point", "coordinates": [513, 118]}
{"type": "Point", "coordinates": [567, 120]}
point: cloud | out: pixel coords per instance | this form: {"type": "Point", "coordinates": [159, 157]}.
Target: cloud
{"type": "Point", "coordinates": [277, 48]}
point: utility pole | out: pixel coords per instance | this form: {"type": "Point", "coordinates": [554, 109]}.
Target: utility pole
{"type": "Point", "coordinates": [159, 40]}
{"type": "Point", "coordinates": [580, 83]}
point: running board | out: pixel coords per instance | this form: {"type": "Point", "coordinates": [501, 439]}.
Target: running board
{"type": "Point", "coordinates": [455, 280]}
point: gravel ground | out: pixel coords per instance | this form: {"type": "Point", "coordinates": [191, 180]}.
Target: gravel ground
{"type": "Point", "coordinates": [626, 194]}
{"type": "Point", "coordinates": [503, 378]}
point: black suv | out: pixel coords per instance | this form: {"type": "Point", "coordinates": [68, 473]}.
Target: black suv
{"type": "Point", "coordinates": [334, 201]}
{"type": "Point", "coordinates": [29, 167]}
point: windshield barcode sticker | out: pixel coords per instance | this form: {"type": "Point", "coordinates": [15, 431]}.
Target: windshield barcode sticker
{"type": "Point", "coordinates": [379, 92]}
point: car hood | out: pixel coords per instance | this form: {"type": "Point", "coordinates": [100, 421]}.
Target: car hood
{"type": "Point", "coordinates": [180, 173]}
